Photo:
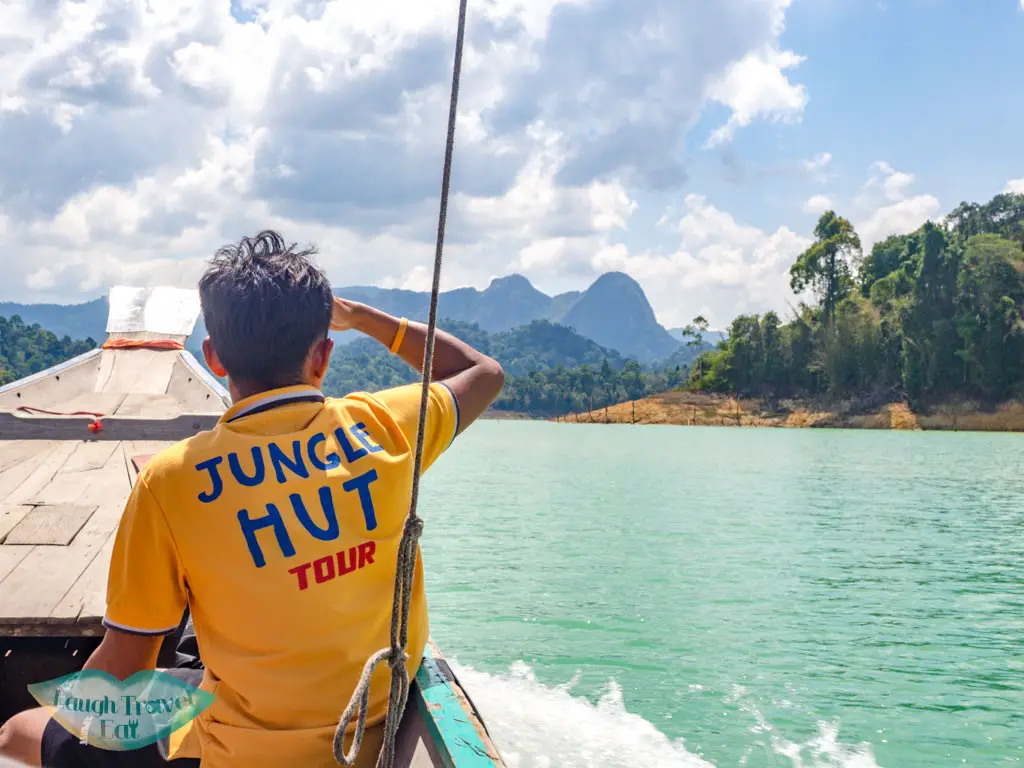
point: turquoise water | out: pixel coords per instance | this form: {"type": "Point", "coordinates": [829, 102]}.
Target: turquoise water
{"type": "Point", "coordinates": [668, 596]}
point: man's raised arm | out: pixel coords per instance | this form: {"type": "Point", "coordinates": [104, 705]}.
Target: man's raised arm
{"type": "Point", "coordinates": [474, 378]}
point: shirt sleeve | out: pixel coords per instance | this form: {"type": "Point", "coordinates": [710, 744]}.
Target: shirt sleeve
{"type": "Point", "coordinates": [403, 403]}
{"type": "Point", "coordinates": [146, 592]}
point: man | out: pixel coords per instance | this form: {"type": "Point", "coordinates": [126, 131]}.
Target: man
{"type": "Point", "coordinates": [279, 528]}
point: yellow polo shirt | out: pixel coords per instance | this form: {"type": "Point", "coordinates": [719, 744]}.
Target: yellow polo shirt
{"type": "Point", "coordinates": [280, 528]}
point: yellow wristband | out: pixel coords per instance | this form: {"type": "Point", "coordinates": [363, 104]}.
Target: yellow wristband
{"type": "Point", "coordinates": [397, 343]}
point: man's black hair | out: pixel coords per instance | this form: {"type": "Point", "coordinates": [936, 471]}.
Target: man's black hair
{"type": "Point", "coordinates": [265, 304]}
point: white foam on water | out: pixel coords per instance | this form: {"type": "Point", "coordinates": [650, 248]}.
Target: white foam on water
{"type": "Point", "coordinates": [823, 750]}
{"type": "Point", "coordinates": [539, 726]}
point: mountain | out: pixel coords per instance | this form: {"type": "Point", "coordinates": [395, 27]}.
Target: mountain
{"type": "Point", "coordinates": [78, 321]}
{"type": "Point", "coordinates": [506, 303]}
{"type": "Point", "coordinates": [613, 312]}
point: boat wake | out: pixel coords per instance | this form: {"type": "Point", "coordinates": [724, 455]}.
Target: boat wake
{"type": "Point", "coordinates": [540, 726]}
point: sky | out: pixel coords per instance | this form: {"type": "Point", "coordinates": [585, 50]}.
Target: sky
{"type": "Point", "coordinates": [689, 143]}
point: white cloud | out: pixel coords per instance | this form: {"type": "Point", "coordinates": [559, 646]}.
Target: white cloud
{"type": "Point", "coordinates": [756, 87]}
{"type": "Point", "coordinates": [900, 218]}
{"type": "Point", "coordinates": [1015, 186]}
{"type": "Point", "coordinates": [883, 208]}
{"type": "Point", "coordinates": [818, 204]}
{"type": "Point", "coordinates": [721, 265]}
{"type": "Point", "coordinates": [893, 183]}
{"type": "Point", "coordinates": [817, 168]}
{"type": "Point", "coordinates": [135, 138]}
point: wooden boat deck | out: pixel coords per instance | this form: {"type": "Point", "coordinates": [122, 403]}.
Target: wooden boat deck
{"type": "Point", "coordinates": [63, 486]}
{"type": "Point", "coordinates": [60, 504]}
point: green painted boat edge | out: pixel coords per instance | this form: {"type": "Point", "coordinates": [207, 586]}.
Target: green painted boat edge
{"type": "Point", "coordinates": [454, 725]}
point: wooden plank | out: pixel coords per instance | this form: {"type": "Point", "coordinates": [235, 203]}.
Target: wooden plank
{"type": "Point", "coordinates": [140, 449]}
{"type": "Point", "coordinates": [414, 746]}
{"type": "Point", "coordinates": [104, 369]}
{"type": "Point", "coordinates": [39, 583]}
{"type": "Point", "coordinates": [148, 447]}
{"type": "Point", "coordinates": [10, 557]}
{"type": "Point", "coordinates": [146, 371]}
{"type": "Point", "coordinates": [43, 472]}
{"type": "Point", "coordinates": [195, 389]}
{"type": "Point", "coordinates": [452, 721]}
{"type": "Point", "coordinates": [14, 452]}
{"type": "Point", "coordinates": [86, 601]}
{"type": "Point", "coordinates": [10, 516]}
{"type": "Point", "coordinates": [88, 456]}
{"type": "Point", "coordinates": [16, 474]}
{"type": "Point", "coordinates": [77, 428]}
{"type": "Point", "coordinates": [112, 483]}
{"type": "Point", "coordinates": [54, 385]}
{"type": "Point", "coordinates": [56, 525]}
{"type": "Point", "coordinates": [140, 461]}
{"type": "Point", "coordinates": [94, 402]}
{"type": "Point", "coordinates": [146, 406]}
{"type": "Point", "coordinates": [81, 470]}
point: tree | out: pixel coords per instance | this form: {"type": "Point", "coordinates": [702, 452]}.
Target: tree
{"type": "Point", "coordinates": [633, 380]}
{"type": "Point", "coordinates": [988, 317]}
{"type": "Point", "coordinates": [695, 333]}
{"type": "Point", "coordinates": [27, 349]}
{"type": "Point", "coordinates": [826, 266]}
{"type": "Point", "coordinates": [885, 259]}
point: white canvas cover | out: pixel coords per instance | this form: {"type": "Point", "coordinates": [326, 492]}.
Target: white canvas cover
{"type": "Point", "coordinates": [170, 311]}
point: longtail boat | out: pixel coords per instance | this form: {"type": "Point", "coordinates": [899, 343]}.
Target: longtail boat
{"type": "Point", "coordinates": [72, 441]}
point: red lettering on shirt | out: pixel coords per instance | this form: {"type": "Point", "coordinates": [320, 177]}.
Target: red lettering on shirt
{"type": "Point", "coordinates": [366, 550]}
{"type": "Point", "coordinates": [348, 560]}
{"type": "Point", "coordinates": [300, 571]}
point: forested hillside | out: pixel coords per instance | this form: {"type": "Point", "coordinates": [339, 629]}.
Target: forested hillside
{"type": "Point", "coordinates": [550, 369]}
{"type": "Point", "coordinates": [27, 349]}
{"type": "Point", "coordinates": [923, 316]}
{"type": "Point", "coordinates": [539, 346]}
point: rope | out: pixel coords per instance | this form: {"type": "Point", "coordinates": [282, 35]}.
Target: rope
{"type": "Point", "coordinates": [94, 426]}
{"type": "Point", "coordinates": [396, 655]}
{"type": "Point", "coordinates": [142, 344]}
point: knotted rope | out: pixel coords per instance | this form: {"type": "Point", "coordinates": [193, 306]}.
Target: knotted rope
{"type": "Point", "coordinates": [396, 655]}
{"type": "Point", "coordinates": [94, 426]}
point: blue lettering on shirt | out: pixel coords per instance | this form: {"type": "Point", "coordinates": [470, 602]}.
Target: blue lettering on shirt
{"type": "Point", "coordinates": [289, 464]}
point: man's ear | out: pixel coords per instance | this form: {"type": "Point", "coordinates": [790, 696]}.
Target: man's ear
{"type": "Point", "coordinates": [321, 357]}
{"type": "Point", "coordinates": [212, 361]}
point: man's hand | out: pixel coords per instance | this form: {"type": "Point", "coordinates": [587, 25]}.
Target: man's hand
{"type": "Point", "coordinates": [343, 317]}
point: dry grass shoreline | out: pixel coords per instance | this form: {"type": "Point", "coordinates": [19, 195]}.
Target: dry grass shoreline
{"type": "Point", "coordinates": [698, 409]}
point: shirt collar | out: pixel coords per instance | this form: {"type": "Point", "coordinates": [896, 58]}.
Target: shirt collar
{"type": "Point", "coordinates": [274, 398]}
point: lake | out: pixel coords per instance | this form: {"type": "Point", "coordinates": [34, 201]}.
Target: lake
{"type": "Point", "coordinates": [673, 596]}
